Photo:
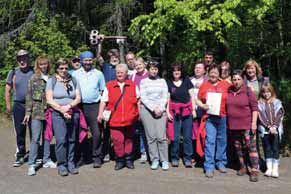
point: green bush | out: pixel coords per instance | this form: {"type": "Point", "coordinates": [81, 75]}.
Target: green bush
{"type": "Point", "coordinates": [284, 94]}
{"type": "Point", "coordinates": [42, 36]}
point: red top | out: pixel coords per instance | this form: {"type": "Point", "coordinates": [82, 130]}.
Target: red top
{"type": "Point", "coordinates": [126, 112]}
{"type": "Point", "coordinates": [221, 87]}
{"type": "Point", "coordinates": [240, 106]}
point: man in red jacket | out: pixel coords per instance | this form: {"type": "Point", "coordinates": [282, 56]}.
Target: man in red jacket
{"type": "Point", "coordinates": [121, 97]}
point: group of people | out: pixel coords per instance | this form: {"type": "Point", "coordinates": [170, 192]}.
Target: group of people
{"type": "Point", "coordinates": [130, 105]}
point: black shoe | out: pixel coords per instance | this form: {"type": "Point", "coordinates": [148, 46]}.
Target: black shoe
{"type": "Point", "coordinates": [119, 165]}
{"type": "Point", "coordinates": [129, 164]}
{"type": "Point", "coordinates": [80, 163]}
{"type": "Point", "coordinates": [63, 172]}
{"type": "Point", "coordinates": [74, 171]}
{"type": "Point", "coordinates": [97, 163]}
{"type": "Point", "coordinates": [18, 162]}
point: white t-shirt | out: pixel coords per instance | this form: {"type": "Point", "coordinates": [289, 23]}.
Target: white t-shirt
{"type": "Point", "coordinates": [105, 95]}
{"type": "Point", "coordinates": [196, 83]}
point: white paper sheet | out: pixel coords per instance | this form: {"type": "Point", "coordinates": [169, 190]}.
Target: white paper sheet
{"type": "Point", "coordinates": [214, 102]}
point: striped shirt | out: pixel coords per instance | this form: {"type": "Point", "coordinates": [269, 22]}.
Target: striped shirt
{"type": "Point", "coordinates": [154, 93]}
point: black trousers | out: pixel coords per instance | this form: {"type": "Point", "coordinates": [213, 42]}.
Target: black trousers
{"type": "Point", "coordinates": [91, 112]}
{"type": "Point", "coordinates": [20, 129]}
{"type": "Point", "coordinates": [271, 146]}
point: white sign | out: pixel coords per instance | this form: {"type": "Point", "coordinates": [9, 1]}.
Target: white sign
{"type": "Point", "coordinates": [214, 102]}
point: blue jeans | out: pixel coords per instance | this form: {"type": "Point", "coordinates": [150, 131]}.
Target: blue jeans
{"type": "Point", "coordinates": [140, 133]}
{"type": "Point", "coordinates": [65, 134]}
{"type": "Point", "coordinates": [37, 126]}
{"type": "Point", "coordinates": [186, 124]}
{"type": "Point", "coordinates": [215, 144]}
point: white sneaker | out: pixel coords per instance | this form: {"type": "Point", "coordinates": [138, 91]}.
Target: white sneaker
{"type": "Point", "coordinates": [38, 161]}
{"type": "Point", "coordinates": [49, 164]}
{"type": "Point", "coordinates": [31, 170]}
{"type": "Point", "coordinates": [143, 158]}
{"type": "Point", "coordinates": [155, 165]}
{"type": "Point", "coordinates": [165, 165]}
{"type": "Point", "coordinates": [106, 158]}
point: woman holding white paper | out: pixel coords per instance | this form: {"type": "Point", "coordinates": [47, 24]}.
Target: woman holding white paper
{"type": "Point", "coordinates": [212, 98]}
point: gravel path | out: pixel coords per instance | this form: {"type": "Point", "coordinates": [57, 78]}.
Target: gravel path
{"type": "Point", "coordinates": [142, 180]}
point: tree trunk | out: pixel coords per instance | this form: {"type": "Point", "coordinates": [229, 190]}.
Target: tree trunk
{"type": "Point", "coordinates": [163, 58]}
{"type": "Point", "coordinates": [119, 29]}
{"type": "Point", "coordinates": [281, 43]}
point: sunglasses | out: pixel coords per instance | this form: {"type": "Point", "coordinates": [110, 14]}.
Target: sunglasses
{"type": "Point", "coordinates": [76, 60]}
{"type": "Point", "coordinates": [63, 68]}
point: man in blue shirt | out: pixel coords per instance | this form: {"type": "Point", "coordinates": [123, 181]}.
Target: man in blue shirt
{"type": "Point", "coordinates": [92, 84]}
{"type": "Point", "coordinates": [108, 69]}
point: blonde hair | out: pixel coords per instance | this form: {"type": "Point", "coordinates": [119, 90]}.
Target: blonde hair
{"type": "Point", "coordinates": [267, 87]}
{"type": "Point", "coordinates": [251, 62]}
{"type": "Point", "coordinates": [38, 61]}
{"type": "Point", "coordinates": [140, 59]}
{"type": "Point", "coordinates": [122, 66]}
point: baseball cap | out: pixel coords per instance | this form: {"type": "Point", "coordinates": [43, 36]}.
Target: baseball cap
{"type": "Point", "coordinates": [22, 52]}
{"type": "Point", "coordinates": [75, 58]}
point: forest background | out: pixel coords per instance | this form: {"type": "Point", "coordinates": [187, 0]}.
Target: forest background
{"type": "Point", "coordinates": [168, 30]}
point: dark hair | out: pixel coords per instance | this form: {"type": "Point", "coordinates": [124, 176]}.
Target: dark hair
{"type": "Point", "coordinates": [199, 61]}
{"type": "Point", "coordinates": [113, 52]}
{"type": "Point", "coordinates": [153, 64]}
{"type": "Point", "coordinates": [214, 66]}
{"type": "Point", "coordinates": [176, 66]}
{"type": "Point", "coordinates": [237, 72]}
{"type": "Point", "coordinates": [209, 52]}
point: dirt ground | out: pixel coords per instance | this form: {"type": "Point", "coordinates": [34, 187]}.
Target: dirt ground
{"type": "Point", "coordinates": [142, 180]}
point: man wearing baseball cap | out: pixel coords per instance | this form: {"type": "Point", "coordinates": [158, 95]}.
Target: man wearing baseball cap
{"type": "Point", "coordinates": [16, 83]}
{"type": "Point", "coordinates": [75, 64]}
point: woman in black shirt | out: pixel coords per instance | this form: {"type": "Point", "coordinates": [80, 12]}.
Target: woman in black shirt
{"type": "Point", "coordinates": [181, 111]}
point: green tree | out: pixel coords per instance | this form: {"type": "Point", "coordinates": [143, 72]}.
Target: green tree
{"type": "Point", "coordinates": [191, 26]}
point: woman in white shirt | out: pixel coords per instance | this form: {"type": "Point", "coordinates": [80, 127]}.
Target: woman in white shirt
{"type": "Point", "coordinates": [154, 95]}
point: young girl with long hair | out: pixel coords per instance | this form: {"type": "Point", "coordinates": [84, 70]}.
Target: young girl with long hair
{"type": "Point", "coordinates": [271, 114]}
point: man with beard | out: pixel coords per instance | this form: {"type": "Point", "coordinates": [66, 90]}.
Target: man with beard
{"type": "Point", "coordinates": [92, 84]}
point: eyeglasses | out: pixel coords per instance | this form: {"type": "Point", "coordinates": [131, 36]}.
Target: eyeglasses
{"type": "Point", "coordinates": [63, 68]}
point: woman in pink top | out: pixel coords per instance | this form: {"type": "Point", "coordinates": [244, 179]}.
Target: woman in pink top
{"type": "Point", "coordinates": [242, 113]}
{"type": "Point", "coordinates": [140, 73]}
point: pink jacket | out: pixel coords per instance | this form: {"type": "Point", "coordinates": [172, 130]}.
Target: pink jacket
{"type": "Point", "coordinates": [180, 109]}
{"type": "Point", "coordinates": [49, 124]}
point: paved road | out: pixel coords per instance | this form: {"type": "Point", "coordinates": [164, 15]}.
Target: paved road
{"type": "Point", "coordinates": [142, 180]}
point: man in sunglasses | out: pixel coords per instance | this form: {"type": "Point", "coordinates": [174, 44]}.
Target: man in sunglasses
{"type": "Point", "coordinates": [17, 82]}
{"type": "Point", "coordinates": [92, 84]}
{"type": "Point", "coordinates": [75, 64]}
